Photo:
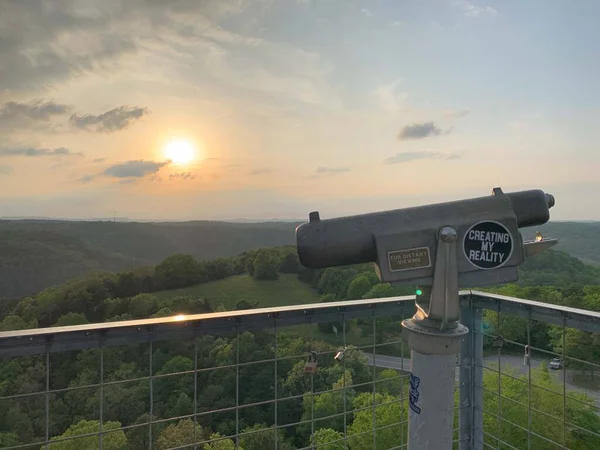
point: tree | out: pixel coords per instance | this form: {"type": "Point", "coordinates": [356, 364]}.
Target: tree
{"type": "Point", "coordinates": [127, 285]}
{"type": "Point", "coordinates": [9, 440]}
{"type": "Point", "coordinates": [335, 281]}
{"type": "Point", "coordinates": [289, 263]}
{"type": "Point", "coordinates": [380, 290]}
{"type": "Point", "coordinates": [111, 440]}
{"type": "Point", "coordinates": [548, 417]}
{"type": "Point", "coordinates": [169, 389]}
{"type": "Point", "coordinates": [390, 382]}
{"type": "Point", "coordinates": [266, 265]}
{"type": "Point", "coordinates": [387, 412]}
{"type": "Point", "coordinates": [142, 306]}
{"type": "Point", "coordinates": [162, 312]}
{"type": "Point", "coordinates": [71, 319]}
{"type": "Point", "coordinates": [261, 437]}
{"type": "Point", "coordinates": [328, 439]}
{"type": "Point", "coordinates": [328, 404]}
{"type": "Point", "coordinates": [178, 271]}
{"type": "Point", "coordinates": [137, 437]}
{"type": "Point", "coordinates": [220, 443]}
{"type": "Point", "coordinates": [358, 287]}
{"type": "Point", "coordinates": [250, 267]}
{"type": "Point", "coordinates": [13, 323]}
{"type": "Point", "coordinates": [184, 432]}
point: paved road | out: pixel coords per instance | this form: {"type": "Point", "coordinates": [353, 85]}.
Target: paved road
{"type": "Point", "coordinates": [514, 362]}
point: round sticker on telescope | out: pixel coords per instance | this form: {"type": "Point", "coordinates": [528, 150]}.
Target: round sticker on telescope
{"type": "Point", "coordinates": [488, 245]}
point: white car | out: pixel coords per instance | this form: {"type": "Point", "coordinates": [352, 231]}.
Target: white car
{"type": "Point", "coordinates": [555, 364]}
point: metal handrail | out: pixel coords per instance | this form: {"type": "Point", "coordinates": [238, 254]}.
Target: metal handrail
{"type": "Point", "coordinates": [77, 337]}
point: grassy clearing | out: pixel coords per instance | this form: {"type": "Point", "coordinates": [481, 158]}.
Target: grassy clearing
{"type": "Point", "coordinates": [288, 290]}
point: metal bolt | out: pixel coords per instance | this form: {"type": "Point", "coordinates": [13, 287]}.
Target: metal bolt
{"type": "Point", "coordinates": [448, 234]}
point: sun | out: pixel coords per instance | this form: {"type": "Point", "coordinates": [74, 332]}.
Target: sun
{"type": "Point", "coordinates": [180, 151]}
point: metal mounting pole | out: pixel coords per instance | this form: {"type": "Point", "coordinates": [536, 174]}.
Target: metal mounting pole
{"type": "Point", "coordinates": [434, 337]}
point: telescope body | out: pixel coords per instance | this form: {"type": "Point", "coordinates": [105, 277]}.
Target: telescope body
{"type": "Point", "coordinates": [403, 242]}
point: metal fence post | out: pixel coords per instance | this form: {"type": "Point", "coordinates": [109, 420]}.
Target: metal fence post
{"type": "Point", "coordinates": [477, 382]}
{"type": "Point", "coordinates": [465, 411]}
{"type": "Point", "coordinates": [471, 378]}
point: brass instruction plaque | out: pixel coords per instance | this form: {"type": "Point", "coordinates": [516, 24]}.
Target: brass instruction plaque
{"type": "Point", "coordinates": [410, 258]}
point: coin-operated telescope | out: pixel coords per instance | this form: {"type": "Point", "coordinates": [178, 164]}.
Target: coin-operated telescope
{"type": "Point", "coordinates": [440, 247]}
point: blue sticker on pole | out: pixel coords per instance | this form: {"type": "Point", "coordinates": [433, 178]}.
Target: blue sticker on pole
{"type": "Point", "coordinates": [413, 394]}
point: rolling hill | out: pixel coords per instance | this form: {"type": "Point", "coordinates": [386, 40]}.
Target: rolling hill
{"type": "Point", "coordinates": [35, 254]}
{"type": "Point", "coordinates": [579, 239]}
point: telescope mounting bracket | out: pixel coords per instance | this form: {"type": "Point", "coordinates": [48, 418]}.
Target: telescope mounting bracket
{"type": "Point", "coordinates": [438, 307]}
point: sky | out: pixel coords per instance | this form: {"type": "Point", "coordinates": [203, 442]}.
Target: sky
{"type": "Point", "coordinates": [292, 106]}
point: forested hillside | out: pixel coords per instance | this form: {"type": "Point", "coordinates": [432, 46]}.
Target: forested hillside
{"type": "Point", "coordinates": [182, 284]}
{"type": "Point", "coordinates": [36, 254]}
{"type": "Point", "coordinates": [579, 239]}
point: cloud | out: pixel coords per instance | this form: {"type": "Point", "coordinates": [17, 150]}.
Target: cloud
{"type": "Point", "coordinates": [58, 42]}
{"type": "Point", "coordinates": [5, 170]}
{"type": "Point", "coordinates": [366, 12]}
{"type": "Point", "coordinates": [182, 176]}
{"type": "Point", "coordinates": [404, 157]}
{"type": "Point", "coordinates": [260, 171]}
{"type": "Point", "coordinates": [33, 115]}
{"type": "Point", "coordinates": [420, 131]}
{"type": "Point", "coordinates": [457, 114]}
{"type": "Point", "coordinates": [86, 178]}
{"type": "Point", "coordinates": [134, 169]}
{"type": "Point", "coordinates": [37, 152]}
{"type": "Point", "coordinates": [98, 160]}
{"type": "Point", "coordinates": [114, 120]}
{"type": "Point", "coordinates": [34, 110]}
{"type": "Point", "coordinates": [186, 39]}
{"type": "Point", "coordinates": [472, 10]}
{"type": "Point", "coordinates": [327, 171]}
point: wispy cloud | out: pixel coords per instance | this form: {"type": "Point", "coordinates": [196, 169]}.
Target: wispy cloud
{"type": "Point", "coordinates": [114, 120]}
{"type": "Point", "coordinates": [420, 131]}
{"type": "Point", "coordinates": [472, 10]}
{"type": "Point", "coordinates": [37, 152]}
{"type": "Point", "coordinates": [332, 170]}
{"type": "Point", "coordinates": [405, 157]}
{"type": "Point", "coordinates": [86, 178]}
{"type": "Point", "coordinates": [5, 170]}
{"type": "Point", "coordinates": [366, 12]}
{"type": "Point", "coordinates": [390, 97]}
{"type": "Point", "coordinates": [329, 171]}
{"type": "Point", "coordinates": [134, 169]}
{"type": "Point", "coordinates": [98, 160]}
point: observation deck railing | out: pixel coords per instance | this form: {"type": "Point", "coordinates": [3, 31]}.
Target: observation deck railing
{"type": "Point", "coordinates": [238, 379]}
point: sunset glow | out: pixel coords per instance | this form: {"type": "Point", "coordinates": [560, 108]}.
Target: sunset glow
{"type": "Point", "coordinates": [212, 110]}
{"type": "Point", "coordinates": [180, 152]}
